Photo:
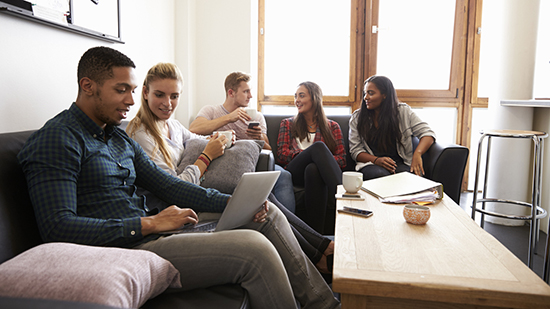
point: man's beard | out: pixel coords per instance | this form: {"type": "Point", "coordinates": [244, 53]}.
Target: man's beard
{"type": "Point", "coordinates": [100, 112]}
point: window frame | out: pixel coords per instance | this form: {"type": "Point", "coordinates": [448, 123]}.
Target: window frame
{"type": "Point", "coordinates": [356, 34]}
{"type": "Point", "coordinates": [430, 97]}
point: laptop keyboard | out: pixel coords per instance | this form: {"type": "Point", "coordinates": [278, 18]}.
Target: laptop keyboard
{"type": "Point", "coordinates": [205, 227]}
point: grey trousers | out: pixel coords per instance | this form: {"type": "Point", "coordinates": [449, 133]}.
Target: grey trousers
{"type": "Point", "coordinates": [271, 267]}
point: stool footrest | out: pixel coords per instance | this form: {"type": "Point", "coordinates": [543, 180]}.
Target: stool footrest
{"type": "Point", "coordinates": [541, 213]}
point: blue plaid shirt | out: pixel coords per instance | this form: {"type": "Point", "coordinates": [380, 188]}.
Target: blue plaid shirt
{"type": "Point", "coordinates": [82, 185]}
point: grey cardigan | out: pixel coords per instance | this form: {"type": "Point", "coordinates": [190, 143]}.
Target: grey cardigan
{"type": "Point", "coordinates": [409, 124]}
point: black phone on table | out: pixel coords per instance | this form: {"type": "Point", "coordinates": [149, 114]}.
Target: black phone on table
{"type": "Point", "coordinates": [356, 211]}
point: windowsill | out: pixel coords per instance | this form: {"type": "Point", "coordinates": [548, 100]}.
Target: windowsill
{"type": "Point", "coordinates": [526, 103]}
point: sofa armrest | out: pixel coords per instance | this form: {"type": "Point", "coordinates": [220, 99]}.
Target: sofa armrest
{"type": "Point", "coordinates": [266, 161]}
{"type": "Point", "coordinates": [445, 163]}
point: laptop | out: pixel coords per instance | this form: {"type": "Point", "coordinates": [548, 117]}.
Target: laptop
{"type": "Point", "coordinates": [247, 199]}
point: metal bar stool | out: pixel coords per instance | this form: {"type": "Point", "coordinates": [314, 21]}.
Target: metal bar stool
{"type": "Point", "coordinates": [537, 212]}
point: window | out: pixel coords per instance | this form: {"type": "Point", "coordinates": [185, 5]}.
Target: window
{"type": "Point", "coordinates": [419, 44]}
{"type": "Point", "coordinates": [415, 45]}
{"type": "Point", "coordinates": [296, 33]}
{"type": "Point", "coordinates": [306, 40]}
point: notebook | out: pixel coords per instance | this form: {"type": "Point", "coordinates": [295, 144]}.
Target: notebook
{"type": "Point", "coordinates": [400, 184]}
{"type": "Point", "coordinates": [247, 199]}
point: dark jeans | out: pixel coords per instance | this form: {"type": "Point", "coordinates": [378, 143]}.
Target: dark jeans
{"type": "Point", "coordinates": [372, 171]}
{"type": "Point", "coordinates": [317, 171]}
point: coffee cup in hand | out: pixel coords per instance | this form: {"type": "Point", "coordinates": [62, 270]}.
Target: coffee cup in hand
{"type": "Point", "coordinates": [252, 112]}
{"type": "Point", "coordinates": [352, 181]}
{"type": "Point", "coordinates": [229, 137]}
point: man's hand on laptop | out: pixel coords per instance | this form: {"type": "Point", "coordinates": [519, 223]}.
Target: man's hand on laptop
{"type": "Point", "coordinates": [262, 214]}
{"type": "Point", "coordinates": [171, 218]}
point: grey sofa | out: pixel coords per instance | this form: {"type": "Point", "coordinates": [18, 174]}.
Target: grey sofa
{"type": "Point", "coordinates": [444, 163]}
{"type": "Point", "coordinates": [19, 232]}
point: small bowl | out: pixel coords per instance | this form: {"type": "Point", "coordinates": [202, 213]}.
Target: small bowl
{"type": "Point", "coordinates": [416, 214]}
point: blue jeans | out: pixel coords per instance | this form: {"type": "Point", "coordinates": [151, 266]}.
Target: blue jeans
{"type": "Point", "coordinates": [264, 258]}
{"type": "Point", "coordinates": [284, 189]}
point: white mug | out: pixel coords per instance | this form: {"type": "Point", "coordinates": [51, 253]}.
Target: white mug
{"type": "Point", "coordinates": [352, 181]}
{"type": "Point", "coordinates": [228, 135]}
{"type": "Point", "coordinates": [252, 112]}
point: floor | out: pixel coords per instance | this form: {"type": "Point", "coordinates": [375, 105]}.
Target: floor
{"type": "Point", "coordinates": [515, 238]}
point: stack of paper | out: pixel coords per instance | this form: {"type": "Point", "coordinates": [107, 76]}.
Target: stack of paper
{"type": "Point", "coordinates": [403, 188]}
{"type": "Point", "coordinates": [52, 10]}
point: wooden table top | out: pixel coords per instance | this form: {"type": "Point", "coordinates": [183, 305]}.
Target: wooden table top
{"type": "Point", "coordinates": [450, 259]}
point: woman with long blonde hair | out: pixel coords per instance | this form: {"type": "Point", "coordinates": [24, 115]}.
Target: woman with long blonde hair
{"type": "Point", "coordinates": [163, 137]}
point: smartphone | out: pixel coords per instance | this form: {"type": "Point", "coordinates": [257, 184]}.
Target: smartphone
{"type": "Point", "coordinates": [356, 211]}
{"type": "Point", "coordinates": [251, 125]}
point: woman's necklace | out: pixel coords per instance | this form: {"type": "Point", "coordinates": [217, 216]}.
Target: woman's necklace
{"type": "Point", "coordinates": [311, 123]}
{"type": "Point", "coordinates": [312, 127]}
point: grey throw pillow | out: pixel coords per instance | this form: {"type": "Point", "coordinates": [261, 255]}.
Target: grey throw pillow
{"type": "Point", "coordinates": [114, 277]}
{"type": "Point", "coordinates": [224, 173]}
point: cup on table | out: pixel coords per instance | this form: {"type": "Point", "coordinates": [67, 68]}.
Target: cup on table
{"type": "Point", "coordinates": [228, 135]}
{"type": "Point", "coordinates": [352, 181]}
{"type": "Point", "coordinates": [252, 112]}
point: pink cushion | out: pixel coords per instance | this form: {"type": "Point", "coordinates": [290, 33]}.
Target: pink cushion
{"type": "Point", "coordinates": [108, 276]}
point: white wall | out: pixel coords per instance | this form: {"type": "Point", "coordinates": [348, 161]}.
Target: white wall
{"type": "Point", "coordinates": [541, 88]}
{"type": "Point", "coordinates": [216, 41]}
{"type": "Point", "coordinates": [207, 39]}
{"type": "Point", "coordinates": [38, 63]}
{"type": "Point", "coordinates": [185, 55]}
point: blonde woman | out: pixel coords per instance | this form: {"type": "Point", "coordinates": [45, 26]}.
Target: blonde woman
{"type": "Point", "coordinates": [163, 137]}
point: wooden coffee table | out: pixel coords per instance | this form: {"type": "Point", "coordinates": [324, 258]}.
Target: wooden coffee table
{"type": "Point", "coordinates": [384, 262]}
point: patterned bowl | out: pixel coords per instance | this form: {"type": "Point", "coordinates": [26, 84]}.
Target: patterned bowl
{"type": "Point", "coordinates": [416, 214]}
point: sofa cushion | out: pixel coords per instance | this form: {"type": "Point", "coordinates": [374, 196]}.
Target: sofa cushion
{"type": "Point", "coordinates": [107, 276]}
{"type": "Point", "coordinates": [224, 172]}
{"type": "Point", "coordinates": [35, 303]}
